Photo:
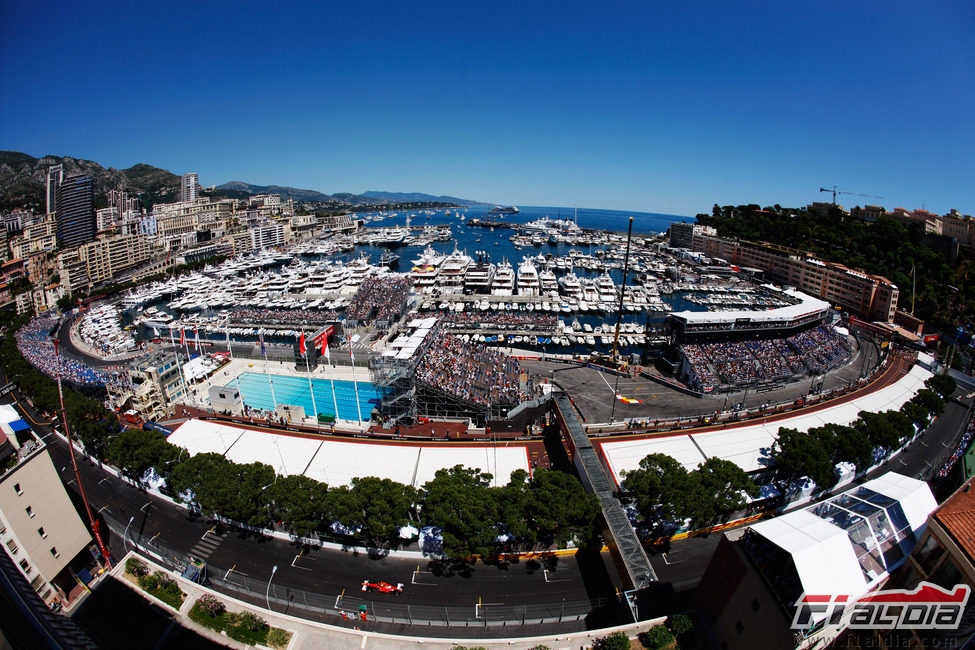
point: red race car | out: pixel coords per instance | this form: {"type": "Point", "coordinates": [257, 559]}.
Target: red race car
{"type": "Point", "coordinates": [382, 587]}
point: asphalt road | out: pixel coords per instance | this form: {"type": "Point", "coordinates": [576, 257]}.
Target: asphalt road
{"type": "Point", "coordinates": [683, 562]}
{"type": "Point", "coordinates": [316, 577]}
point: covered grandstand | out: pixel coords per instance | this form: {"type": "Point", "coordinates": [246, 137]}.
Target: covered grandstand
{"type": "Point", "coordinates": [732, 349]}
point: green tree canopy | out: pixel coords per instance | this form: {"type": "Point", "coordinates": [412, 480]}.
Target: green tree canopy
{"type": "Point", "coordinates": [462, 503]}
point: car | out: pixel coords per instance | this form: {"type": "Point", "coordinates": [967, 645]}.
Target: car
{"type": "Point", "coordinates": [382, 587]}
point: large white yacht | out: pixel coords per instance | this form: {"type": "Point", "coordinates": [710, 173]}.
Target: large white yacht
{"type": "Point", "coordinates": [453, 270]}
{"type": "Point", "coordinates": [504, 280]}
{"type": "Point", "coordinates": [527, 279]}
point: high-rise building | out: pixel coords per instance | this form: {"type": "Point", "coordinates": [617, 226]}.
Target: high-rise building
{"type": "Point", "coordinates": [187, 188]}
{"type": "Point", "coordinates": [55, 175]}
{"type": "Point", "coordinates": [76, 211]}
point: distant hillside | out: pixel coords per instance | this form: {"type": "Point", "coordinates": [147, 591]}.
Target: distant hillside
{"type": "Point", "coordinates": [23, 184]}
{"type": "Point", "coordinates": [417, 197]}
{"type": "Point", "coordinates": [285, 192]}
{"type": "Point", "coordinates": [23, 180]}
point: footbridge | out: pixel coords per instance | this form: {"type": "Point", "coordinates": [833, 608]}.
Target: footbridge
{"type": "Point", "coordinates": [621, 538]}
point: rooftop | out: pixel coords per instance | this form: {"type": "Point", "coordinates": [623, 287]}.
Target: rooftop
{"type": "Point", "coordinates": [957, 516]}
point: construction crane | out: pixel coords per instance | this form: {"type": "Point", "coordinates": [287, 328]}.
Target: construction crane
{"type": "Point", "coordinates": [836, 191]}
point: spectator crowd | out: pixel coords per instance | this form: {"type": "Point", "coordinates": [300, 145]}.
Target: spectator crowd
{"type": "Point", "coordinates": [470, 371]}
{"type": "Point", "coordinates": [739, 363]}
{"type": "Point", "coordinates": [34, 343]}
{"type": "Point", "coordinates": [379, 298]}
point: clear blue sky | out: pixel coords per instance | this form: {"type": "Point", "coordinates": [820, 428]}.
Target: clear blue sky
{"type": "Point", "coordinates": [651, 106]}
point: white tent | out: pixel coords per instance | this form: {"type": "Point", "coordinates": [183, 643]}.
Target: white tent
{"type": "Point", "coordinates": [337, 462]}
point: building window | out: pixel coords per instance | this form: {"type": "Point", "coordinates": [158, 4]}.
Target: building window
{"type": "Point", "coordinates": [25, 566]}
{"type": "Point", "coordinates": [54, 551]}
{"type": "Point", "coordinates": [41, 532]}
{"type": "Point", "coordinates": [739, 628]}
{"type": "Point", "coordinates": [17, 489]}
{"type": "Point", "coordinates": [755, 605]}
{"type": "Point", "coordinates": [30, 513]}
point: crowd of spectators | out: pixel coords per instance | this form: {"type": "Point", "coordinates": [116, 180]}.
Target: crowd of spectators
{"type": "Point", "coordinates": [959, 450]}
{"type": "Point", "coordinates": [470, 371]}
{"type": "Point", "coordinates": [737, 363]}
{"type": "Point", "coordinates": [34, 343]}
{"type": "Point", "coordinates": [284, 316]}
{"type": "Point", "coordinates": [380, 298]}
{"type": "Point", "coordinates": [499, 319]}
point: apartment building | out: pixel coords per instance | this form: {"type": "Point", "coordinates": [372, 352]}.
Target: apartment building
{"type": "Point", "coordinates": [39, 527]}
{"type": "Point", "coordinates": [872, 297]}
{"type": "Point", "coordinates": [39, 236]}
{"type": "Point", "coordinates": [105, 258]}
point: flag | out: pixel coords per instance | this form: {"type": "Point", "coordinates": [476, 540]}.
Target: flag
{"type": "Point", "coordinates": [182, 336]}
{"type": "Point", "coordinates": [301, 343]}
{"type": "Point", "coordinates": [325, 348]}
{"type": "Point", "coordinates": [260, 337]}
{"type": "Point", "coordinates": [197, 333]}
{"type": "Point", "coordinates": [351, 356]}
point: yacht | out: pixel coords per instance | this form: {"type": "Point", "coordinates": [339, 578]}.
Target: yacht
{"type": "Point", "coordinates": [548, 283]}
{"type": "Point", "coordinates": [479, 275]}
{"type": "Point", "coordinates": [503, 283]}
{"type": "Point", "coordinates": [453, 271]}
{"type": "Point", "coordinates": [528, 284]}
{"type": "Point", "coordinates": [388, 259]}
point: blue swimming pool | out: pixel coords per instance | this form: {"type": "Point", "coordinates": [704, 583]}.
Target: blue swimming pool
{"type": "Point", "coordinates": [256, 391]}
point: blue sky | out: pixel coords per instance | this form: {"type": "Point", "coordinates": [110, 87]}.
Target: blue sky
{"type": "Point", "coordinates": [659, 107]}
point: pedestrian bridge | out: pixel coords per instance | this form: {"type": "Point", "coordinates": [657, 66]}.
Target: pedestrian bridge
{"type": "Point", "coordinates": [621, 538]}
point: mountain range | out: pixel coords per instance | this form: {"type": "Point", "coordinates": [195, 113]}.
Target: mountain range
{"type": "Point", "coordinates": [23, 183]}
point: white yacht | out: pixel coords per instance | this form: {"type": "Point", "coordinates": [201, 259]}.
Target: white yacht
{"type": "Point", "coordinates": [504, 280]}
{"type": "Point", "coordinates": [453, 271]}
{"type": "Point", "coordinates": [527, 279]}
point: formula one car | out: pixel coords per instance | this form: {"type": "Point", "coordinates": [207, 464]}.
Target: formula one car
{"type": "Point", "coordinates": [382, 587]}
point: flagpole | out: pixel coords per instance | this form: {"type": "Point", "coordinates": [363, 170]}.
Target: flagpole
{"type": "Point", "coordinates": [311, 389]}
{"type": "Point", "coordinates": [230, 351]}
{"type": "Point", "coordinates": [179, 368]}
{"type": "Point", "coordinates": [355, 384]}
{"type": "Point", "coordinates": [267, 372]}
{"type": "Point", "coordinates": [331, 380]}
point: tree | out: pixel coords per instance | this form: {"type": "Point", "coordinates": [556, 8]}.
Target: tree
{"type": "Point", "coordinates": [930, 400]}
{"type": "Point", "coordinates": [560, 508]}
{"type": "Point", "coordinates": [135, 451]}
{"type": "Point", "coordinates": [462, 503]}
{"type": "Point", "coordinates": [298, 502]}
{"type": "Point", "coordinates": [656, 637]}
{"type": "Point", "coordinates": [943, 385]}
{"type": "Point", "coordinates": [382, 507]}
{"type": "Point", "coordinates": [667, 494]}
{"type": "Point", "coordinates": [614, 641]}
{"type": "Point", "coordinates": [726, 482]}
{"type": "Point", "coordinates": [799, 454]}
{"type": "Point", "coordinates": [848, 445]}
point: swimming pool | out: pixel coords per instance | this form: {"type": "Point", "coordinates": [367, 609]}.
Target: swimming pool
{"type": "Point", "coordinates": [256, 391]}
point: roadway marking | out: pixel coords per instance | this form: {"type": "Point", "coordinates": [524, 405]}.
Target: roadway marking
{"type": "Point", "coordinates": [103, 480]}
{"type": "Point", "coordinates": [143, 508]}
{"type": "Point", "coordinates": [667, 559]}
{"type": "Point", "coordinates": [103, 508]}
{"type": "Point", "coordinates": [545, 574]}
{"type": "Point", "coordinates": [303, 568]}
{"type": "Point", "coordinates": [416, 574]}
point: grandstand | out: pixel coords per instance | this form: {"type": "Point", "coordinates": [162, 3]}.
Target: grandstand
{"type": "Point", "coordinates": [736, 349]}
{"type": "Point", "coordinates": [427, 372]}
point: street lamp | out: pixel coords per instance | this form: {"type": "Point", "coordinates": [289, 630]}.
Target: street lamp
{"type": "Point", "coordinates": [125, 535]}
{"type": "Point", "coordinates": [267, 592]}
